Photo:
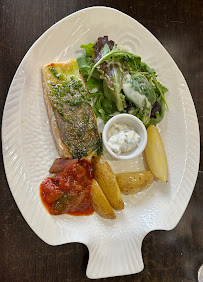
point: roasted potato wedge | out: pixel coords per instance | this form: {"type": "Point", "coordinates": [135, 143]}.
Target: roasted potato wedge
{"type": "Point", "coordinates": [107, 181]}
{"type": "Point", "coordinates": [100, 202]}
{"type": "Point", "coordinates": [155, 154]}
{"type": "Point", "coordinates": [131, 183]}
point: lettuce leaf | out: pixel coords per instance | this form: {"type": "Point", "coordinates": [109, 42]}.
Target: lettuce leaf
{"type": "Point", "coordinates": [159, 115]}
{"type": "Point", "coordinates": [101, 48]}
{"type": "Point", "coordinates": [85, 65]}
{"type": "Point", "coordinates": [112, 76]}
{"type": "Point", "coordinates": [142, 114]}
{"type": "Point", "coordinates": [116, 55]}
{"type": "Point", "coordinates": [88, 49]}
{"type": "Point", "coordinates": [102, 106]}
{"type": "Point", "coordinates": [93, 85]}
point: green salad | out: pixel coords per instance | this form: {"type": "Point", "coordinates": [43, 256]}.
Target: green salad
{"type": "Point", "coordinates": [119, 82]}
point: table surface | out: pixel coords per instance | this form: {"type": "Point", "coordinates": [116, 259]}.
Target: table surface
{"type": "Point", "coordinates": [168, 255]}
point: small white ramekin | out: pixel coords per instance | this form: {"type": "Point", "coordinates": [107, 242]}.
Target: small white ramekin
{"type": "Point", "coordinates": [134, 123]}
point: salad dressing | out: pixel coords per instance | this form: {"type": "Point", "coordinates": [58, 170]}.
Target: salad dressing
{"type": "Point", "coordinates": [138, 99]}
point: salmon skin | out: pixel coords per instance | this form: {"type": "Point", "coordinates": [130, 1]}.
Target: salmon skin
{"type": "Point", "coordinates": [72, 118]}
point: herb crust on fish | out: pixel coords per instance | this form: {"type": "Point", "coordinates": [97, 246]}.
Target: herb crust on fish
{"type": "Point", "coordinates": [72, 118]}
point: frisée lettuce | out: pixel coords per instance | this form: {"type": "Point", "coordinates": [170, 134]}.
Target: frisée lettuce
{"type": "Point", "coordinates": [119, 82]}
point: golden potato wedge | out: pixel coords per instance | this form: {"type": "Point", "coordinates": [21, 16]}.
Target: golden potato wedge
{"type": "Point", "coordinates": [155, 154]}
{"type": "Point", "coordinates": [107, 181]}
{"type": "Point", "coordinates": [100, 202]}
{"type": "Point", "coordinates": [131, 183]}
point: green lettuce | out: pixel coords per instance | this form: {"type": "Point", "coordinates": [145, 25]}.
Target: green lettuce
{"type": "Point", "coordinates": [105, 67]}
{"type": "Point", "coordinates": [112, 76]}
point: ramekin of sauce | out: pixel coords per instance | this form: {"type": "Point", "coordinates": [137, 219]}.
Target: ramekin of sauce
{"type": "Point", "coordinates": [124, 136]}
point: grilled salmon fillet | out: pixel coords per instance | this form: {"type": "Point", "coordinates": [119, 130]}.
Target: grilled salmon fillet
{"type": "Point", "coordinates": [72, 118]}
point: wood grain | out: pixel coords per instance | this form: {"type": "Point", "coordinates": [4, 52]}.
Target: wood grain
{"type": "Point", "coordinates": [168, 255]}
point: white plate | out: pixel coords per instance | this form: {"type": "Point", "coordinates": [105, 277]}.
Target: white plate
{"type": "Point", "coordinates": [29, 150]}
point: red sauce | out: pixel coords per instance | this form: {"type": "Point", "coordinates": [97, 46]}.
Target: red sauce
{"type": "Point", "coordinates": [69, 191]}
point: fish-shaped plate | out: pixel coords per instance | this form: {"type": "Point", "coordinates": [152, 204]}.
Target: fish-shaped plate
{"type": "Point", "coordinates": [29, 148]}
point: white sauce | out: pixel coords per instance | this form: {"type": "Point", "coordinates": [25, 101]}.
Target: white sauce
{"type": "Point", "coordinates": [137, 98]}
{"type": "Point", "coordinates": [121, 138]}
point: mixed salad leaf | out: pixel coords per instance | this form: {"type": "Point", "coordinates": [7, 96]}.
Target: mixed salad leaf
{"type": "Point", "coordinates": [119, 82]}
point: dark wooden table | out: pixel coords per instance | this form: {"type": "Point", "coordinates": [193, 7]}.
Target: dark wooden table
{"type": "Point", "coordinates": [168, 256]}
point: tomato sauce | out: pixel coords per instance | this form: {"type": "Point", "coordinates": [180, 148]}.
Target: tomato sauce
{"type": "Point", "coordinates": [70, 190]}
